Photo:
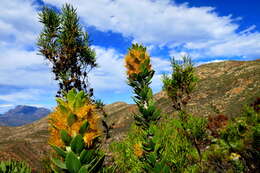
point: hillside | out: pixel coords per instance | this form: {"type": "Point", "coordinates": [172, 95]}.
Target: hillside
{"type": "Point", "coordinates": [223, 88]}
{"type": "Point", "coordinates": [21, 115]}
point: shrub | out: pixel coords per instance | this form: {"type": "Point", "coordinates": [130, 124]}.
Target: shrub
{"type": "Point", "coordinates": [180, 83]}
{"type": "Point", "coordinates": [14, 167]}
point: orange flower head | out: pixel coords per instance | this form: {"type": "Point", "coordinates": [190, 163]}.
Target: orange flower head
{"type": "Point", "coordinates": [54, 138]}
{"type": "Point", "coordinates": [138, 150]}
{"type": "Point", "coordinates": [85, 110]}
{"type": "Point", "coordinates": [89, 137]}
{"type": "Point", "coordinates": [74, 129]}
{"type": "Point", "coordinates": [136, 58]}
{"type": "Point", "coordinates": [57, 119]}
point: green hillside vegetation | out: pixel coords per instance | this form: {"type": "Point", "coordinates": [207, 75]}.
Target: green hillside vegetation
{"type": "Point", "coordinates": [206, 119]}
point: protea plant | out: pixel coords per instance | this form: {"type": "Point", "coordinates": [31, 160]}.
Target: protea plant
{"type": "Point", "coordinates": [74, 131]}
{"type": "Point", "coordinates": [136, 59]}
{"type": "Point", "coordinates": [140, 73]}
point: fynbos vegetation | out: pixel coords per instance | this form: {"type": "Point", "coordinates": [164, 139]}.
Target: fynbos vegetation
{"type": "Point", "coordinates": [158, 141]}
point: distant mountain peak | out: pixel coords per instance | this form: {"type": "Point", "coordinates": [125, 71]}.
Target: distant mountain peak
{"type": "Point", "coordinates": [22, 114]}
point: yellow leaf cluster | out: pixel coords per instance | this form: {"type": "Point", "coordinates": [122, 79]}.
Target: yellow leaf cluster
{"type": "Point", "coordinates": [58, 122]}
{"type": "Point", "coordinates": [134, 59]}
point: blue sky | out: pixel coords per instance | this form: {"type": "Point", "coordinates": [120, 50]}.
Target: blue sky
{"type": "Point", "coordinates": [209, 31]}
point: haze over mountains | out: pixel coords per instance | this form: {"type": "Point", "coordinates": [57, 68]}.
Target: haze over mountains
{"type": "Point", "coordinates": [21, 115]}
{"type": "Point", "coordinates": [223, 88]}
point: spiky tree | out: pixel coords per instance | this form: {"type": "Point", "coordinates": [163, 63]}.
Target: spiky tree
{"type": "Point", "coordinates": [180, 83]}
{"type": "Point", "coordinates": [178, 86]}
{"type": "Point", "coordinates": [64, 43]}
{"type": "Point", "coordinates": [140, 73]}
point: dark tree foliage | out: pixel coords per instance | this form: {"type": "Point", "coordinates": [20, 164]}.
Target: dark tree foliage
{"type": "Point", "coordinates": [64, 43]}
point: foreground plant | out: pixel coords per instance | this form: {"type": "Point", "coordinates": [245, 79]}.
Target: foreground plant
{"type": "Point", "coordinates": [140, 74]}
{"type": "Point", "coordinates": [74, 132]}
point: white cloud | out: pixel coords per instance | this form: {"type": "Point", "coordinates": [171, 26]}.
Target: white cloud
{"type": "Point", "coordinates": [160, 65]}
{"type": "Point", "coordinates": [21, 96]}
{"type": "Point", "coordinates": [19, 24]}
{"type": "Point", "coordinates": [242, 45]}
{"type": "Point", "coordinates": [24, 68]}
{"type": "Point", "coordinates": [178, 55]}
{"type": "Point", "coordinates": [5, 105]}
{"type": "Point", "coordinates": [153, 22]}
{"type": "Point", "coordinates": [207, 62]}
{"type": "Point", "coordinates": [199, 30]}
{"type": "Point", "coordinates": [110, 73]}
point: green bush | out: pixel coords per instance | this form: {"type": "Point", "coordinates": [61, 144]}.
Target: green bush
{"type": "Point", "coordinates": [14, 167]}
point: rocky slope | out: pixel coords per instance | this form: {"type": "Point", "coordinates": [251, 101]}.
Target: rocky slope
{"type": "Point", "coordinates": [224, 88]}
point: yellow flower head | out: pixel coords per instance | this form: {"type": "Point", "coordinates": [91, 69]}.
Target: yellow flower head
{"type": "Point", "coordinates": [138, 150]}
{"type": "Point", "coordinates": [55, 138]}
{"type": "Point", "coordinates": [135, 58]}
{"type": "Point", "coordinates": [85, 110]}
{"type": "Point", "coordinates": [57, 119]}
{"type": "Point", "coordinates": [89, 137]}
{"type": "Point", "coordinates": [61, 118]}
{"type": "Point", "coordinates": [74, 129]}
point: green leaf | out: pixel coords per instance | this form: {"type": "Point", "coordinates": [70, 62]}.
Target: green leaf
{"type": "Point", "coordinates": [60, 101]}
{"type": "Point", "coordinates": [86, 156]}
{"type": "Point", "coordinates": [58, 163]}
{"type": "Point", "coordinates": [72, 162]}
{"type": "Point", "coordinates": [65, 137]}
{"type": "Point", "coordinates": [79, 100]}
{"type": "Point", "coordinates": [98, 164]}
{"type": "Point", "coordinates": [84, 169]}
{"type": "Point", "coordinates": [59, 151]}
{"type": "Point", "coordinates": [3, 167]}
{"type": "Point", "coordinates": [71, 119]}
{"type": "Point", "coordinates": [77, 144]}
{"type": "Point", "coordinates": [63, 109]}
{"type": "Point", "coordinates": [55, 169]}
{"type": "Point", "coordinates": [84, 127]}
{"type": "Point", "coordinates": [71, 95]}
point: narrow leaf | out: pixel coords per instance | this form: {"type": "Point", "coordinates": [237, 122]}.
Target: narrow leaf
{"type": "Point", "coordinates": [84, 127]}
{"type": "Point", "coordinates": [59, 151]}
{"type": "Point", "coordinates": [77, 144]}
{"type": "Point", "coordinates": [59, 163]}
{"type": "Point", "coordinates": [65, 137]}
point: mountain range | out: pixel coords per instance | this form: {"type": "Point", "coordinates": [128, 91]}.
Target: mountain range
{"type": "Point", "coordinates": [223, 88]}
{"type": "Point", "coordinates": [21, 115]}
